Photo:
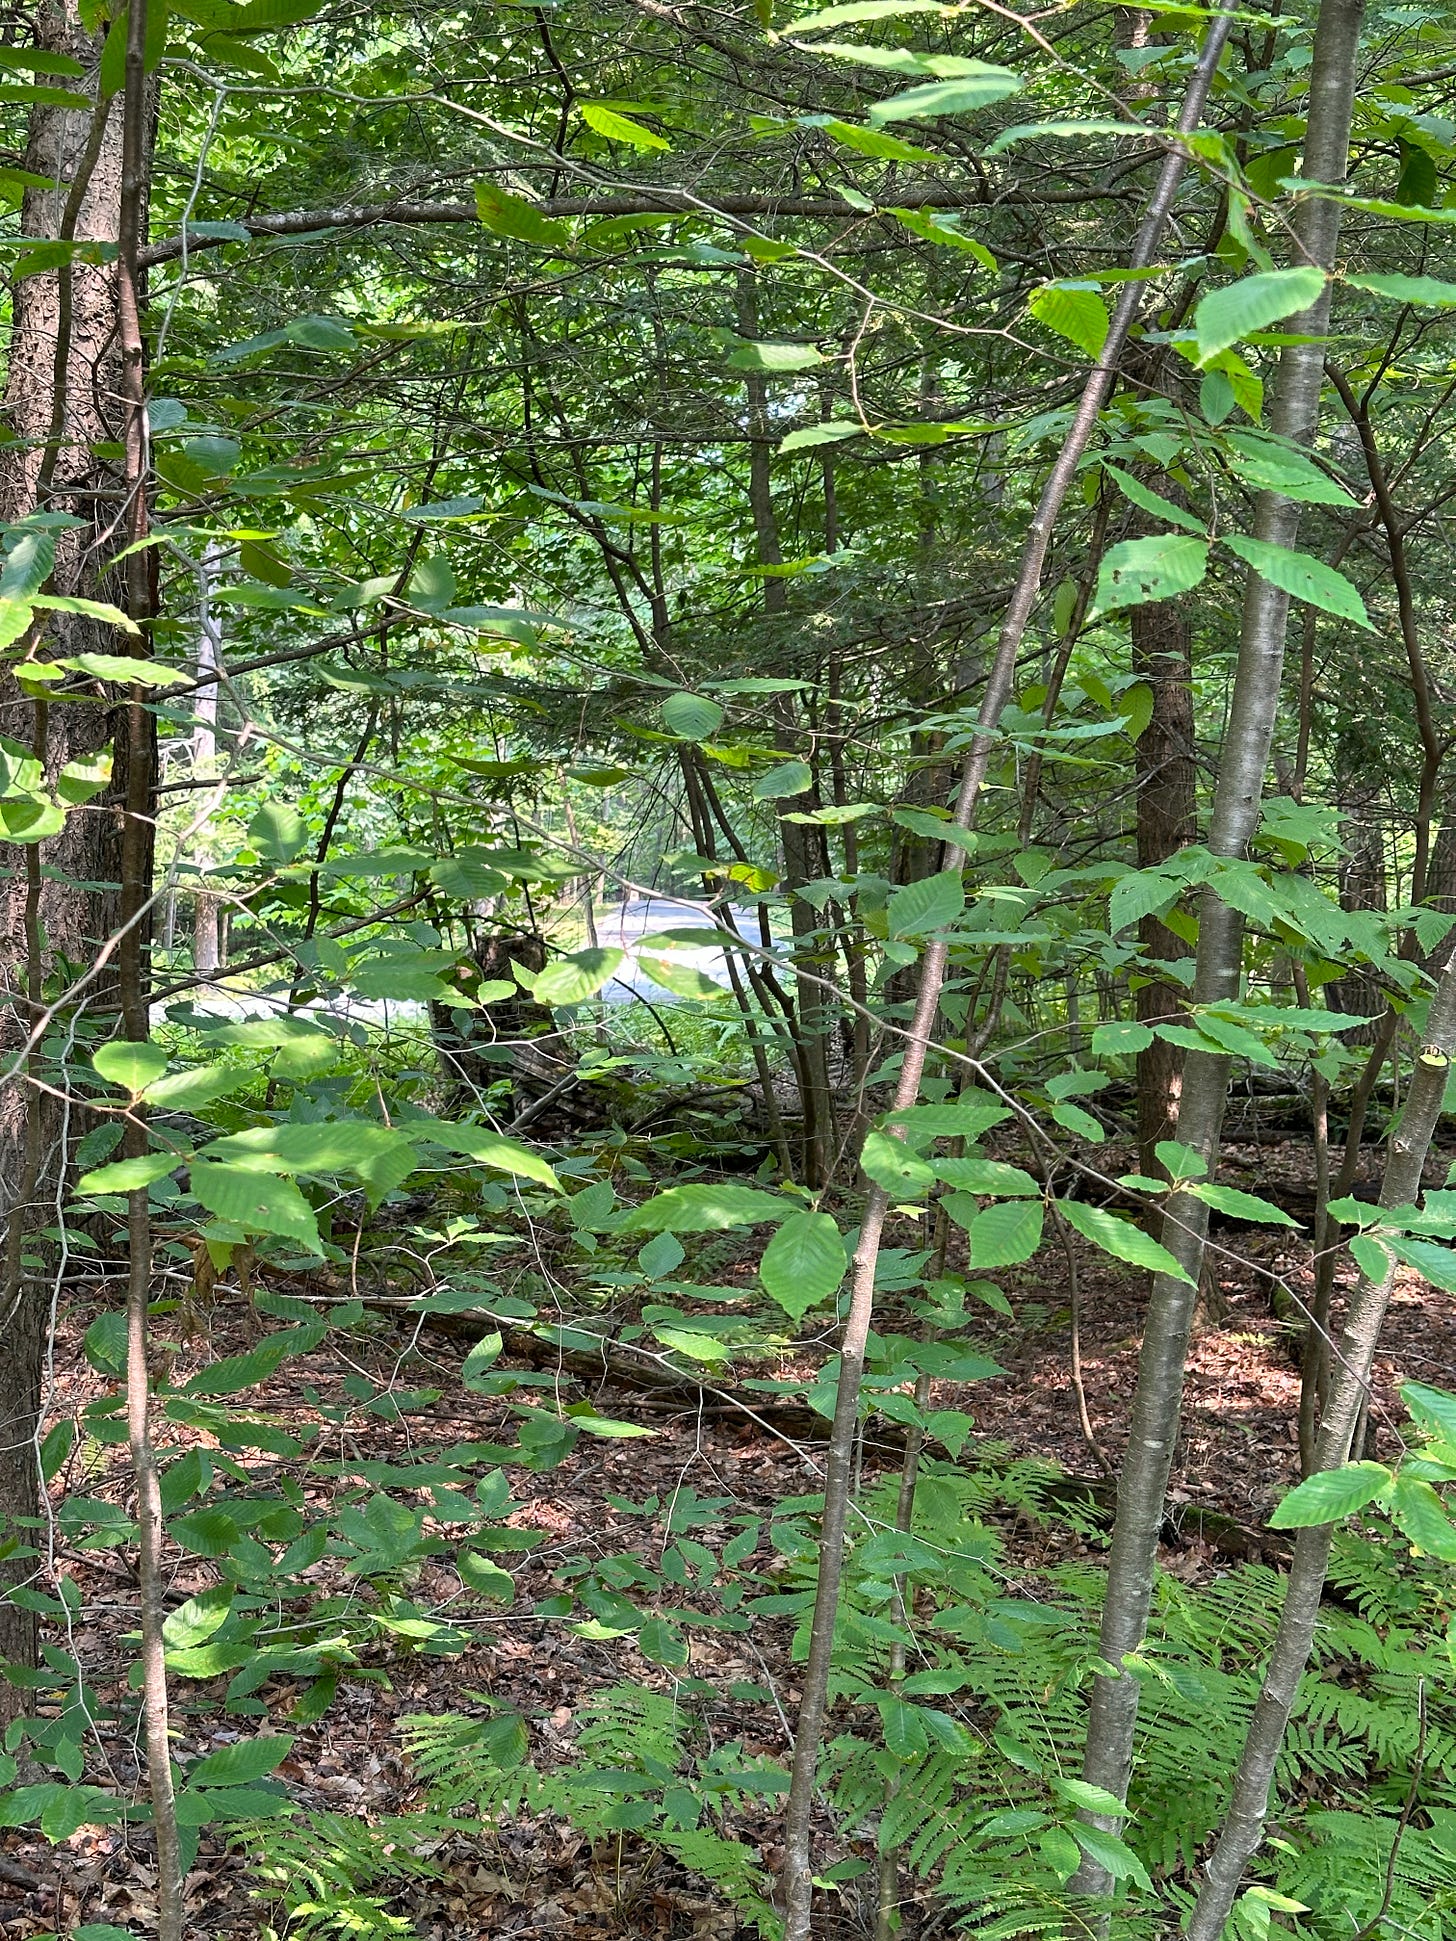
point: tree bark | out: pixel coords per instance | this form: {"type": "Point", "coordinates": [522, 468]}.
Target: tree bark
{"type": "Point", "coordinates": [1166, 821]}
{"type": "Point", "coordinates": [1294, 414]}
{"type": "Point", "coordinates": [60, 402]}
{"type": "Point", "coordinates": [1243, 1827]}
{"type": "Point", "coordinates": [797, 1879]}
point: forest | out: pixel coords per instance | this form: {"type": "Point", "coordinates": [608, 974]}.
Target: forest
{"type": "Point", "coordinates": [728, 935]}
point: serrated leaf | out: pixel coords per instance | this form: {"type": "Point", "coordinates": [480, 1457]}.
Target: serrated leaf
{"type": "Point", "coordinates": [989, 1176]}
{"type": "Point", "coordinates": [1242, 1206]}
{"type": "Point", "coordinates": [1420, 1514]}
{"type": "Point", "coordinates": [1303, 577]}
{"type": "Point", "coordinates": [1121, 1239]}
{"type": "Point", "coordinates": [663, 1643]}
{"type": "Point", "coordinates": [1252, 304]}
{"type": "Point", "coordinates": [789, 778]}
{"type": "Point", "coordinates": [1436, 1264]}
{"type": "Point", "coordinates": [1371, 1257]}
{"type": "Point", "coordinates": [1075, 311]}
{"type": "Point", "coordinates": [1331, 1495]}
{"type": "Point", "coordinates": [774, 357]}
{"type": "Point", "coordinates": [573, 979]}
{"type": "Point", "coordinates": [196, 1620]}
{"type": "Point", "coordinates": [704, 1208]}
{"type": "Point", "coordinates": [1432, 1409]}
{"type": "Point", "coordinates": [966, 94]}
{"type": "Point", "coordinates": [691, 717]}
{"type": "Point", "coordinates": [926, 905]}
{"type": "Point", "coordinates": [1159, 567]}
{"type": "Point", "coordinates": [832, 432]}
{"type": "Point", "coordinates": [891, 1165]}
{"type": "Point", "coordinates": [485, 1578]}
{"type": "Point", "coordinates": [132, 1066]}
{"type": "Point", "coordinates": [130, 1175]}
{"type": "Point", "coordinates": [1153, 502]}
{"type": "Point", "coordinates": [1004, 1236]}
{"type": "Point", "coordinates": [1428, 290]}
{"type": "Point", "coordinates": [240, 1764]}
{"type": "Point", "coordinates": [259, 1202]}
{"type": "Point", "coordinates": [1115, 1040]}
{"type": "Point", "coordinates": [618, 128]}
{"type": "Point", "coordinates": [803, 1263]}
{"type": "Point", "coordinates": [1115, 1856]}
{"type": "Point", "coordinates": [512, 215]}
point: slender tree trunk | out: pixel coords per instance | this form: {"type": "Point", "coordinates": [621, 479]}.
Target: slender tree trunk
{"type": "Point", "coordinates": [1166, 821]}
{"type": "Point", "coordinates": [60, 402]}
{"type": "Point", "coordinates": [1243, 1827]}
{"type": "Point", "coordinates": [797, 1879]}
{"type": "Point", "coordinates": [1142, 1487]}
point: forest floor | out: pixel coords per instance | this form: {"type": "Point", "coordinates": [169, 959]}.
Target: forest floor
{"type": "Point", "coordinates": [540, 1878]}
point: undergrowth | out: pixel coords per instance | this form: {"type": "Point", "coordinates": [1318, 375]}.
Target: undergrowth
{"type": "Point", "coordinates": [966, 1767]}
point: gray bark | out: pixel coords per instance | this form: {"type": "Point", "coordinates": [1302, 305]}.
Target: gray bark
{"type": "Point", "coordinates": [1243, 1827]}
{"type": "Point", "coordinates": [1142, 1487]}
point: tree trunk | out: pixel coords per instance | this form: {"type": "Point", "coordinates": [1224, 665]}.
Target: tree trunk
{"type": "Point", "coordinates": [1142, 1486]}
{"type": "Point", "coordinates": [1243, 1827]}
{"type": "Point", "coordinates": [1166, 821]}
{"type": "Point", "coordinates": [62, 403]}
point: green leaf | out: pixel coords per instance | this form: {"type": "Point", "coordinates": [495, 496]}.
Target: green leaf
{"type": "Point", "coordinates": [704, 1208]}
{"type": "Point", "coordinates": [1114, 1040]}
{"type": "Point", "coordinates": [990, 1176]}
{"type": "Point", "coordinates": [1004, 1236]}
{"type": "Point", "coordinates": [663, 1643]}
{"type": "Point", "coordinates": [1159, 567]}
{"type": "Point", "coordinates": [482, 1357]}
{"type": "Point", "coordinates": [1420, 1514]}
{"type": "Point", "coordinates": [935, 828]}
{"type": "Point", "coordinates": [1180, 1162]}
{"type": "Point", "coordinates": [662, 1253]}
{"type": "Point", "coordinates": [1428, 290]}
{"type": "Point", "coordinates": [1331, 1495]}
{"type": "Point", "coordinates": [257, 1201]}
{"type": "Point", "coordinates": [618, 128]}
{"type": "Point", "coordinates": [1433, 1410]}
{"type": "Point", "coordinates": [196, 1620]}
{"type": "Point", "coordinates": [130, 1175]}
{"type": "Point", "coordinates": [1115, 1856]}
{"type": "Point", "coordinates": [774, 357]}
{"type": "Point", "coordinates": [485, 1578]}
{"type": "Point", "coordinates": [929, 904]}
{"type": "Point", "coordinates": [789, 778]}
{"type": "Point", "coordinates": [278, 833]}
{"type": "Point", "coordinates": [105, 1344]}
{"type": "Point", "coordinates": [240, 1764]}
{"type": "Point", "coordinates": [1242, 1206]}
{"type": "Point", "coordinates": [1372, 1257]}
{"type": "Point", "coordinates": [511, 215]}
{"type": "Point", "coordinates": [831, 432]}
{"type": "Point", "coordinates": [803, 1263]}
{"type": "Point", "coordinates": [489, 1148]}
{"type": "Point", "coordinates": [966, 94]}
{"type": "Point", "coordinates": [131, 1066]}
{"type": "Point", "coordinates": [1153, 502]}
{"type": "Point", "coordinates": [1240, 309]}
{"type": "Point", "coordinates": [1075, 311]}
{"type": "Point", "coordinates": [1303, 577]}
{"type": "Point", "coordinates": [1091, 1799]}
{"type": "Point", "coordinates": [1433, 1263]}
{"type": "Point", "coordinates": [891, 1165]}
{"type": "Point", "coordinates": [691, 717]}
{"type": "Point", "coordinates": [573, 979]}
{"type": "Point", "coordinates": [1121, 1239]}
{"type": "Point", "coordinates": [683, 980]}
{"type": "Point", "coordinates": [853, 11]}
